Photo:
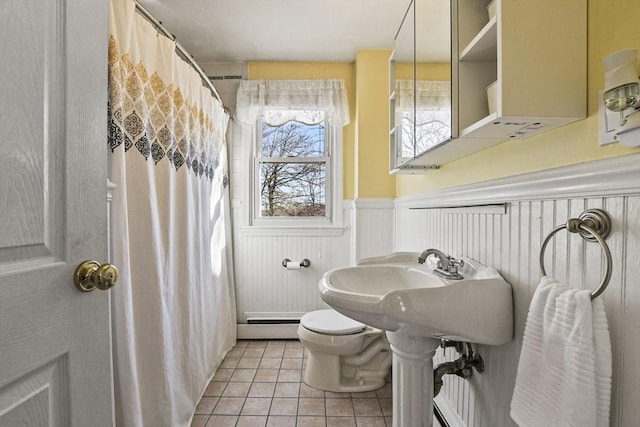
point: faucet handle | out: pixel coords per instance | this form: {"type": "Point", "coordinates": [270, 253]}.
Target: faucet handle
{"type": "Point", "coordinates": [456, 262]}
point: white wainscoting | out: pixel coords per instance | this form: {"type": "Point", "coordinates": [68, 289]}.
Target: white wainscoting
{"type": "Point", "coordinates": [373, 225]}
{"type": "Point", "coordinates": [511, 242]}
{"type": "Point", "coordinates": [264, 286]}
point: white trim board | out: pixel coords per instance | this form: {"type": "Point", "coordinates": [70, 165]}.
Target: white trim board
{"type": "Point", "coordinates": [281, 331]}
{"type": "Point", "coordinates": [488, 209]}
{"type": "Point", "coordinates": [608, 177]}
{"type": "Point", "coordinates": [374, 203]}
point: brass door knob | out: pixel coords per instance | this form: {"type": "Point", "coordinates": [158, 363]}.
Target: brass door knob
{"type": "Point", "coordinates": [90, 275]}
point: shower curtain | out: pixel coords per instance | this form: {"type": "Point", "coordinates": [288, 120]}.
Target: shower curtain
{"type": "Point", "coordinates": [173, 309]}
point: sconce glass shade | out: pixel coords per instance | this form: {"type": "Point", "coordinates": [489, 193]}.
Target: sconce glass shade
{"type": "Point", "coordinates": [620, 68]}
{"type": "Point", "coordinates": [621, 83]}
{"type": "Point", "coordinates": [622, 97]}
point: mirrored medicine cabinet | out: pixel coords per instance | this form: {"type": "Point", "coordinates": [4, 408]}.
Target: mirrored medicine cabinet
{"type": "Point", "coordinates": [469, 74]}
{"type": "Point", "coordinates": [420, 83]}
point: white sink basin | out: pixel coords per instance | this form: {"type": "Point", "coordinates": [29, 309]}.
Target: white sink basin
{"type": "Point", "coordinates": [396, 294]}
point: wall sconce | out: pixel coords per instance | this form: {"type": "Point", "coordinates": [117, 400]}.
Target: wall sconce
{"type": "Point", "coordinates": [620, 102]}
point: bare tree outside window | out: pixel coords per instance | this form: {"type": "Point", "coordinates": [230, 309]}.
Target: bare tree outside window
{"type": "Point", "coordinates": [431, 128]}
{"type": "Point", "coordinates": [292, 170]}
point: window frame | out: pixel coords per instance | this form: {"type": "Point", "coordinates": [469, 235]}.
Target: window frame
{"type": "Point", "coordinates": [333, 180]}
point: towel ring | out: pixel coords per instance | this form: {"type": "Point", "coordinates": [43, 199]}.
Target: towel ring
{"type": "Point", "coordinates": [594, 225]}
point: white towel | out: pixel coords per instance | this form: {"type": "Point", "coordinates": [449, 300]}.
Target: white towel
{"type": "Point", "coordinates": [564, 373]}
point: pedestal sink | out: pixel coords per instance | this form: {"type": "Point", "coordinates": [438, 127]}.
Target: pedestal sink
{"type": "Point", "coordinates": [417, 309]}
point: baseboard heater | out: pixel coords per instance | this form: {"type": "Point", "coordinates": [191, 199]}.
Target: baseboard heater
{"type": "Point", "coordinates": [269, 326]}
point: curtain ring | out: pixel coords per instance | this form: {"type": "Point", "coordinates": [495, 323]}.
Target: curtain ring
{"type": "Point", "coordinates": [575, 225]}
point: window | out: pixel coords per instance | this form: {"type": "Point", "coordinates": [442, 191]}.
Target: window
{"type": "Point", "coordinates": [293, 166]}
{"type": "Point", "coordinates": [296, 152]}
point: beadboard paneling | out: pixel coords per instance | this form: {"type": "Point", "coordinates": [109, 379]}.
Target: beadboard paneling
{"type": "Point", "coordinates": [511, 243]}
{"type": "Point", "coordinates": [373, 226]}
{"type": "Point", "coordinates": [264, 285]}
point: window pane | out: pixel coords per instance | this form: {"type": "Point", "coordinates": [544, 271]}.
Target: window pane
{"type": "Point", "coordinates": [292, 189]}
{"type": "Point", "coordinates": [293, 139]}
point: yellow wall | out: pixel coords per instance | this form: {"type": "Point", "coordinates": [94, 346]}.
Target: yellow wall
{"type": "Point", "coordinates": [425, 71]}
{"type": "Point", "coordinates": [372, 121]}
{"type": "Point", "coordinates": [365, 139]}
{"type": "Point", "coordinates": [612, 25]}
{"type": "Point", "coordinates": [319, 70]}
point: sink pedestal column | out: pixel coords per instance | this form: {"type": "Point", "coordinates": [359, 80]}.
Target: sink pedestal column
{"type": "Point", "coordinates": [412, 379]}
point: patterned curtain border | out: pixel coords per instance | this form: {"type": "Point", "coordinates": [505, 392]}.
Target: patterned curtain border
{"type": "Point", "coordinates": [152, 116]}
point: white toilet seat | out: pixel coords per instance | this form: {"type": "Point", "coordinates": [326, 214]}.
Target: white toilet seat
{"type": "Point", "coordinates": [331, 322]}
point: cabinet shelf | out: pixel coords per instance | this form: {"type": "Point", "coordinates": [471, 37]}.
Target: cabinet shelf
{"type": "Point", "coordinates": [479, 124]}
{"type": "Point", "coordinates": [532, 68]}
{"type": "Point", "coordinates": [483, 47]}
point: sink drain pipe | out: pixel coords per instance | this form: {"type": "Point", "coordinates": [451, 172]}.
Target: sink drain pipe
{"type": "Point", "coordinates": [461, 367]}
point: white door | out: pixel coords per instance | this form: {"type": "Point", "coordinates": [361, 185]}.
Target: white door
{"type": "Point", "coordinates": [55, 358]}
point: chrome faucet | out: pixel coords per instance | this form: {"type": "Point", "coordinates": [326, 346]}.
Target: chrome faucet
{"type": "Point", "coordinates": [447, 266]}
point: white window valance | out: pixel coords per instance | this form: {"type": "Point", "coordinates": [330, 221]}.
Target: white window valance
{"type": "Point", "coordinates": [275, 117]}
{"type": "Point", "coordinates": [256, 95]}
{"type": "Point", "coordinates": [429, 94]}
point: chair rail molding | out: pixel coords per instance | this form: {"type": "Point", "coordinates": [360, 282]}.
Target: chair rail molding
{"type": "Point", "coordinates": [608, 177]}
{"type": "Point", "coordinates": [374, 203]}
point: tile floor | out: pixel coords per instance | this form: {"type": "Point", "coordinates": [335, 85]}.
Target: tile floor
{"type": "Point", "coordinates": [260, 383]}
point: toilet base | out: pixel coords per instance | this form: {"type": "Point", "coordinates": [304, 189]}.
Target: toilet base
{"type": "Point", "coordinates": [343, 355]}
{"type": "Point", "coordinates": [325, 372]}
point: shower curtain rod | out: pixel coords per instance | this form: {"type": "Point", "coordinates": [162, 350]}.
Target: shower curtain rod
{"type": "Point", "coordinates": [181, 50]}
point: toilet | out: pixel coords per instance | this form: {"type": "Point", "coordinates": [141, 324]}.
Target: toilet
{"type": "Point", "coordinates": [344, 355]}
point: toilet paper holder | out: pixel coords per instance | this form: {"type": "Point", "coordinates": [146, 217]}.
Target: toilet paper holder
{"type": "Point", "coordinates": [304, 263]}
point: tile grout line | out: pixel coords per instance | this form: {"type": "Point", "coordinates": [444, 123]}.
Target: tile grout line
{"type": "Point", "coordinates": [383, 418]}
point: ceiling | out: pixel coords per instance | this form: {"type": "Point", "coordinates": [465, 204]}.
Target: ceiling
{"type": "Point", "coordinates": [280, 30]}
